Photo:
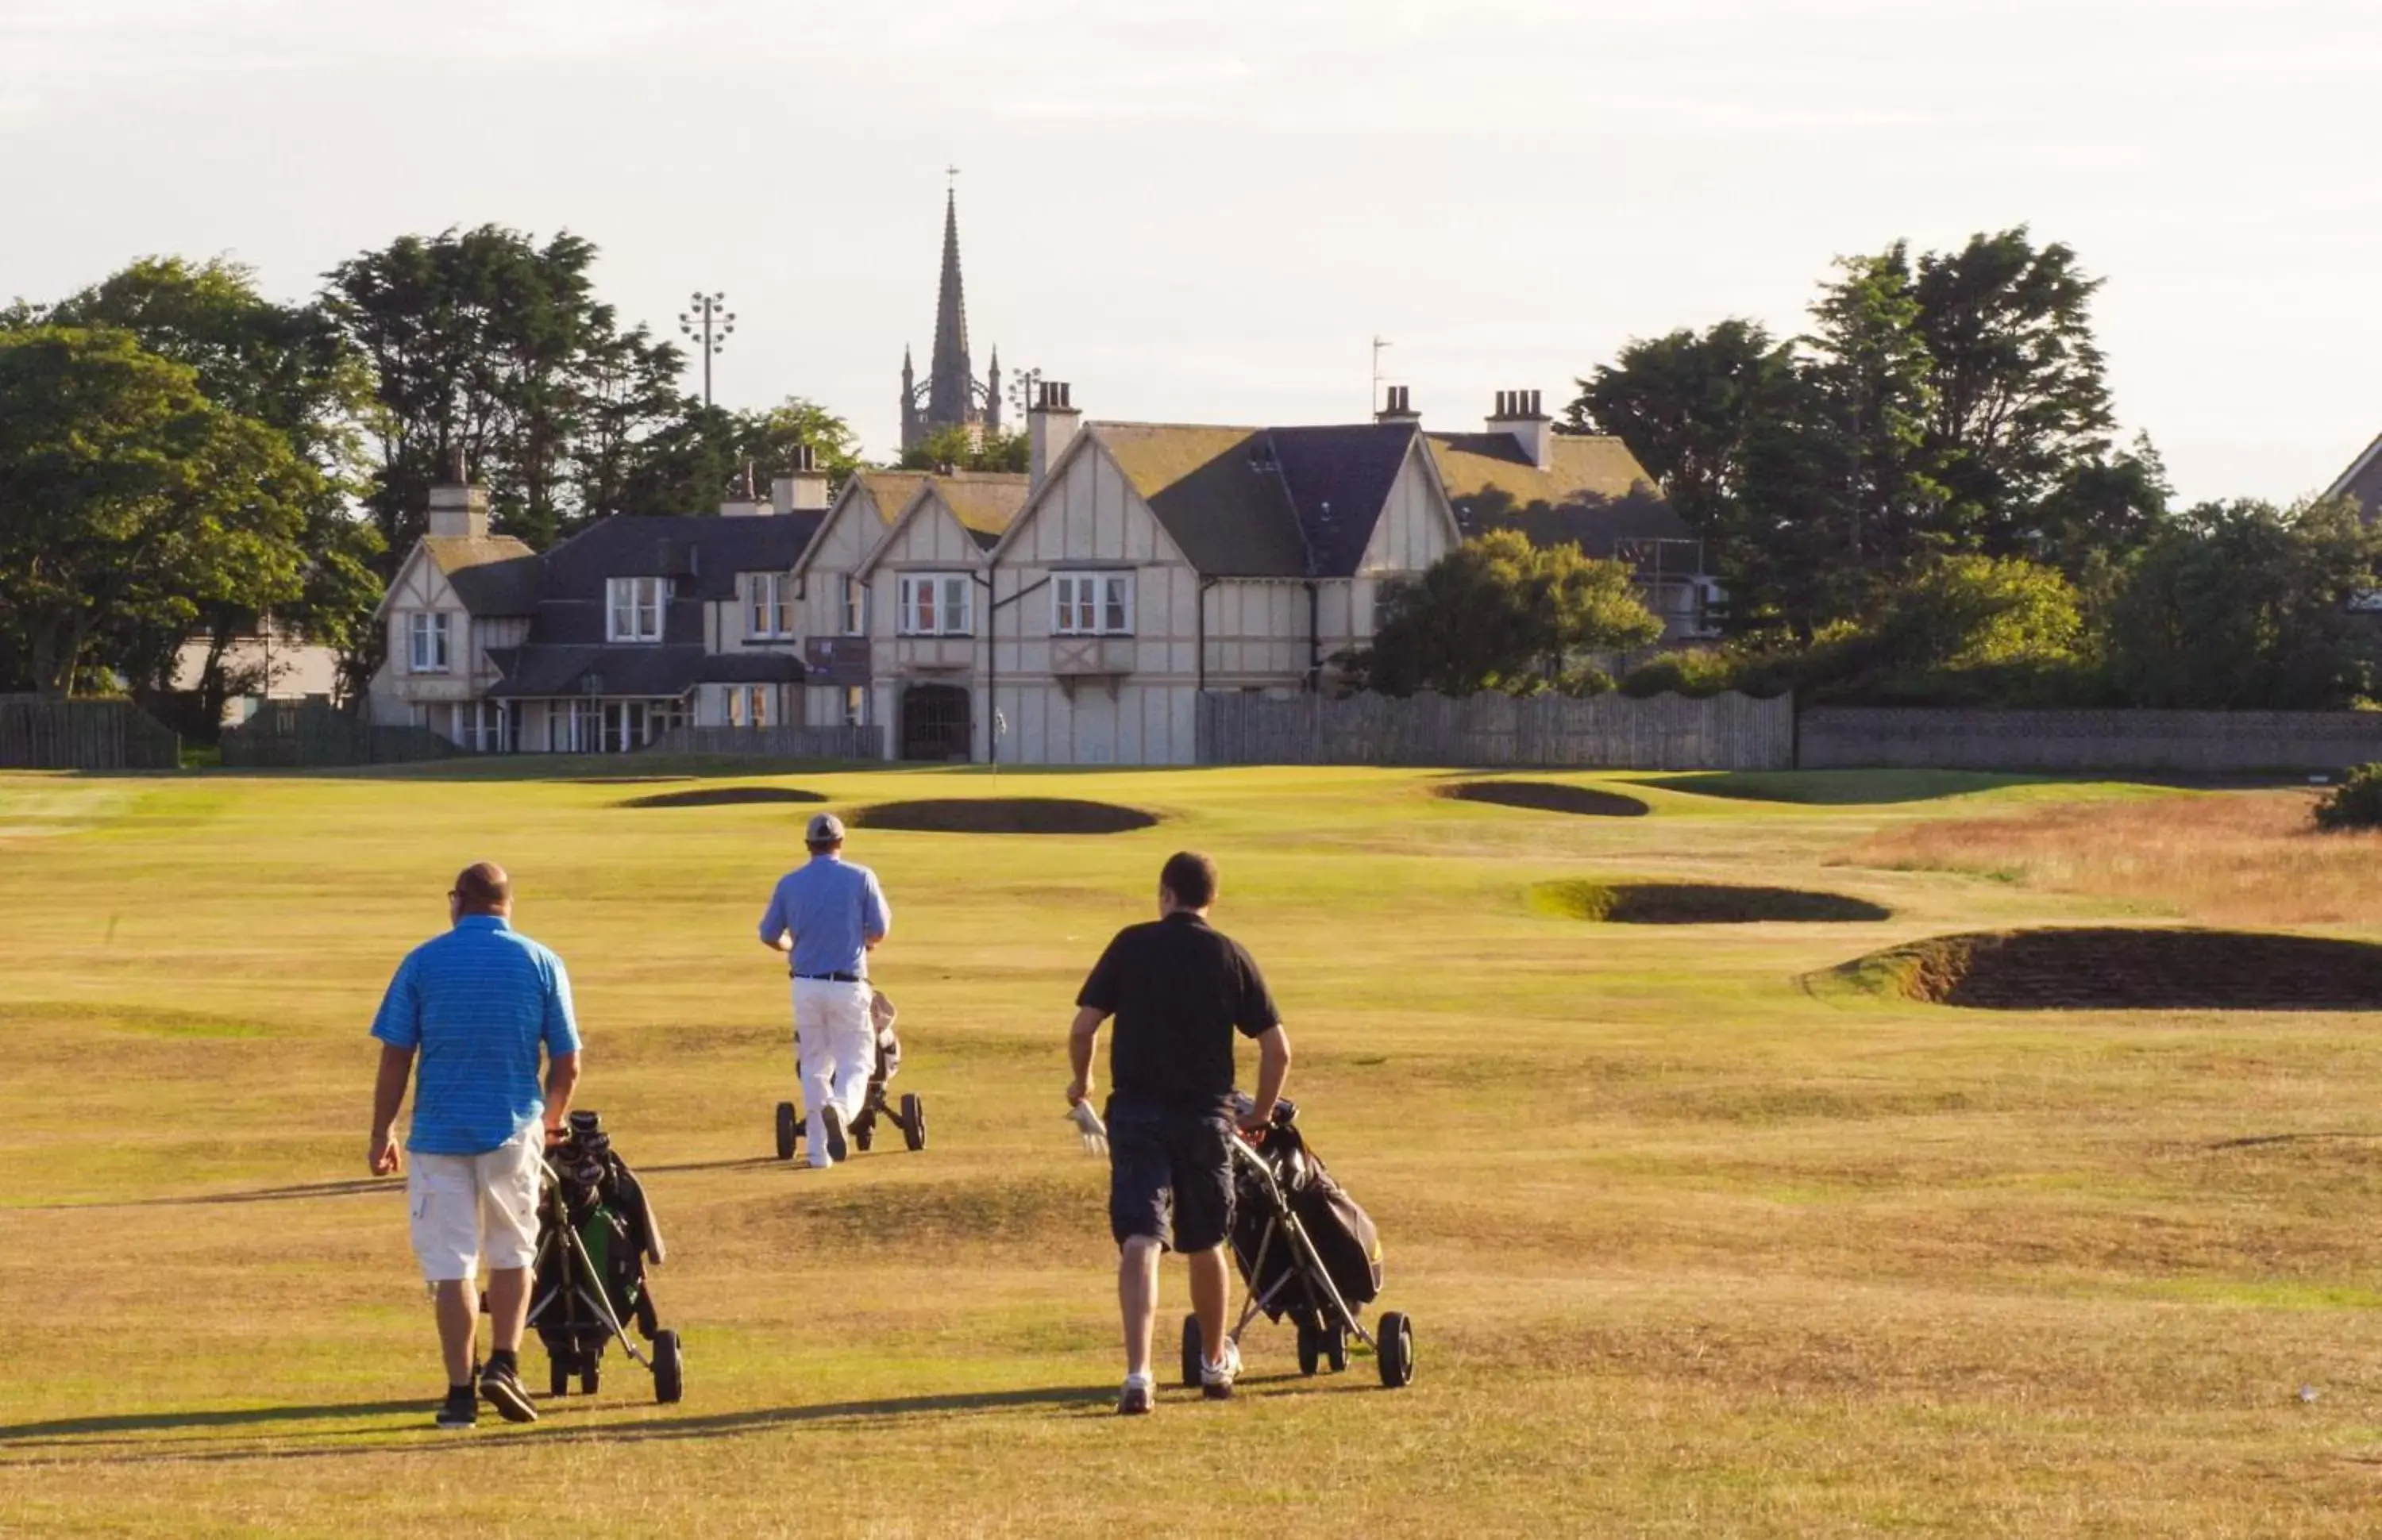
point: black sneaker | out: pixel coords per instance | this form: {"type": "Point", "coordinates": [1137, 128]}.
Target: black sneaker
{"type": "Point", "coordinates": [502, 1387]}
{"type": "Point", "coordinates": [1137, 1398]}
{"type": "Point", "coordinates": [832, 1120]}
{"type": "Point", "coordinates": [460, 1410]}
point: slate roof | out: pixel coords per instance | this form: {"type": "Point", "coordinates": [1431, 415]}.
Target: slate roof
{"type": "Point", "coordinates": [1231, 497]}
{"type": "Point", "coordinates": [666, 671]}
{"type": "Point", "coordinates": [2362, 482]}
{"type": "Point", "coordinates": [491, 574]}
{"type": "Point", "coordinates": [1339, 481]}
{"type": "Point", "coordinates": [703, 552]}
{"type": "Point", "coordinates": [1593, 492]}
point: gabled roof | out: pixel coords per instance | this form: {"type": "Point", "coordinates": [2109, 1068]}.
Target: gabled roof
{"type": "Point", "coordinates": [1262, 502]}
{"type": "Point", "coordinates": [2363, 480]}
{"type": "Point", "coordinates": [984, 503]}
{"type": "Point", "coordinates": [490, 574]}
{"type": "Point", "coordinates": [1593, 492]}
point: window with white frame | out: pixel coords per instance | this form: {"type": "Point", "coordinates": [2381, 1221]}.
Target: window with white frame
{"type": "Point", "coordinates": [855, 606]}
{"type": "Point", "coordinates": [935, 604]}
{"type": "Point", "coordinates": [1091, 604]}
{"type": "Point", "coordinates": [425, 648]}
{"type": "Point", "coordinates": [748, 705]}
{"type": "Point", "coordinates": [633, 608]}
{"type": "Point", "coordinates": [768, 605]}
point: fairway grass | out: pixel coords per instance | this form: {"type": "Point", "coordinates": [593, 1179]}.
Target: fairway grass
{"type": "Point", "coordinates": [1692, 1247]}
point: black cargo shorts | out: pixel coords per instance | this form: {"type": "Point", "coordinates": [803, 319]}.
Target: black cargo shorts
{"type": "Point", "coordinates": [1170, 1172]}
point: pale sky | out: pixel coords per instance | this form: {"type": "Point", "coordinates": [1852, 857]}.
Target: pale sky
{"type": "Point", "coordinates": [1204, 210]}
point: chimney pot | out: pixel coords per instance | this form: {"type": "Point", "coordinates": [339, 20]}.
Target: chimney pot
{"type": "Point", "coordinates": [1050, 427]}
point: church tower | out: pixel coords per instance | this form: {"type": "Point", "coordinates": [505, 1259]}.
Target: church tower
{"type": "Point", "coordinates": [951, 395]}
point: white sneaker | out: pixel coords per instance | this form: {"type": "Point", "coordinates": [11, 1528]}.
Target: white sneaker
{"type": "Point", "coordinates": [1138, 1398]}
{"type": "Point", "coordinates": [1216, 1375]}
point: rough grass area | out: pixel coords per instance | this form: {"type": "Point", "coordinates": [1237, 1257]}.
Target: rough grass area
{"type": "Point", "coordinates": [1549, 797]}
{"type": "Point", "coordinates": [1004, 815]}
{"type": "Point", "coordinates": [1695, 903]}
{"type": "Point", "coordinates": [2106, 968]}
{"type": "Point", "coordinates": [2224, 859]}
{"type": "Point", "coordinates": [724, 796]}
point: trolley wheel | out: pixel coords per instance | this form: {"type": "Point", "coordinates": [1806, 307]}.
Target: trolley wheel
{"type": "Point", "coordinates": [589, 1378]}
{"type": "Point", "coordinates": [914, 1122]}
{"type": "Point", "coordinates": [558, 1375]}
{"type": "Point", "coordinates": [790, 1122]}
{"type": "Point", "coordinates": [1310, 1348]}
{"type": "Point", "coordinates": [1395, 1334]}
{"type": "Point", "coordinates": [1334, 1343]}
{"type": "Point", "coordinates": [669, 1369]}
{"type": "Point", "coordinates": [1193, 1355]}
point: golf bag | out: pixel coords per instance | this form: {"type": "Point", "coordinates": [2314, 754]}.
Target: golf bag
{"type": "Point", "coordinates": [595, 1234]}
{"type": "Point", "coordinates": [1343, 1233]}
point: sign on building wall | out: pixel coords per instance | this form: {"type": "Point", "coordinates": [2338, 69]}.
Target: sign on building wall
{"type": "Point", "coordinates": [836, 660]}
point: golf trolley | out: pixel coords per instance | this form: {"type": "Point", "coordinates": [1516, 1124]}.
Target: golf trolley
{"type": "Point", "coordinates": [910, 1118]}
{"type": "Point", "coordinates": [1306, 1251]}
{"type": "Point", "coordinates": [594, 1235]}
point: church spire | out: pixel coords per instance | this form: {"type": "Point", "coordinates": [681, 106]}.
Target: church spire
{"type": "Point", "coordinates": [950, 374]}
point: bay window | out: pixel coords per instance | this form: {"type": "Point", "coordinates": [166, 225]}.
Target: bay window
{"type": "Point", "coordinates": [1091, 604]}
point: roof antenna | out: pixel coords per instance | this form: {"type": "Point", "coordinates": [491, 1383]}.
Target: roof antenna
{"type": "Point", "coordinates": [1373, 402]}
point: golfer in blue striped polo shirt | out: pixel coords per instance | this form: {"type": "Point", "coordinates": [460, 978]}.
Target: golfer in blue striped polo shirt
{"type": "Point", "coordinates": [475, 1005]}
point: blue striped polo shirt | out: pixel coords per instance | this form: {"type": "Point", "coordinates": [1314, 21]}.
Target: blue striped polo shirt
{"type": "Point", "coordinates": [478, 1002]}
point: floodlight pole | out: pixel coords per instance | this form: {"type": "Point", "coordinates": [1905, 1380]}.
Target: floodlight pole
{"type": "Point", "coordinates": [708, 321]}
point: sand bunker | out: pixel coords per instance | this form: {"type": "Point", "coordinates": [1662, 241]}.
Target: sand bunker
{"type": "Point", "coordinates": [1004, 815]}
{"type": "Point", "coordinates": [2114, 968]}
{"type": "Point", "coordinates": [1690, 903]}
{"type": "Point", "coordinates": [724, 796]}
{"type": "Point", "coordinates": [1549, 797]}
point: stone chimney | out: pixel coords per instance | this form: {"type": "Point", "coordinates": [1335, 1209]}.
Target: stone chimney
{"type": "Point", "coordinates": [1518, 414]}
{"type": "Point", "coordinates": [1050, 428]}
{"type": "Point", "coordinates": [1398, 408]}
{"type": "Point", "coordinates": [747, 502]}
{"type": "Point", "coordinates": [458, 510]}
{"type": "Point", "coordinates": [806, 490]}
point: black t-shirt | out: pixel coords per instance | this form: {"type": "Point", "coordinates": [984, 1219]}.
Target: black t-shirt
{"type": "Point", "coordinates": [1178, 990]}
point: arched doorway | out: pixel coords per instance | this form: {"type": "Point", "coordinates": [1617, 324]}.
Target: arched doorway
{"type": "Point", "coordinates": [935, 723]}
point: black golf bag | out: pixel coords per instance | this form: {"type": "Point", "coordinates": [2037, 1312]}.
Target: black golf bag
{"type": "Point", "coordinates": [595, 1234]}
{"type": "Point", "coordinates": [1343, 1234]}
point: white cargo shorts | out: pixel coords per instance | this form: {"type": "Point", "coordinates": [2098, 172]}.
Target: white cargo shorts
{"type": "Point", "coordinates": [473, 1209]}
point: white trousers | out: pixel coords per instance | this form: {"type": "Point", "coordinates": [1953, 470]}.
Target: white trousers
{"type": "Point", "coordinates": [835, 1046]}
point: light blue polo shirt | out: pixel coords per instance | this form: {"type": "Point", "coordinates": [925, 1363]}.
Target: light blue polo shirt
{"type": "Point", "coordinates": [833, 907]}
{"type": "Point", "coordinates": [477, 1003]}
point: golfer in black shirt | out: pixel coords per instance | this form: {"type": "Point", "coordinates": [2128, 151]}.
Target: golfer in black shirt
{"type": "Point", "coordinates": [1178, 990]}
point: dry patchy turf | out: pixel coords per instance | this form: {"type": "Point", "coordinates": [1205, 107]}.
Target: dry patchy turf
{"type": "Point", "coordinates": [1694, 1246]}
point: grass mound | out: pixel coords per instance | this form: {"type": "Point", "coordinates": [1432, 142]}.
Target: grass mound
{"type": "Point", "coordinates": [724, 796]}
{"type": "Point", "coordinates": [1696, 903]}
{"type": "Point", "coordinates": [1005, 815]}
{"type": "Point", "coordinates": [2118, 969]}
{"type": "Point", "coordinates": [1550, 796]}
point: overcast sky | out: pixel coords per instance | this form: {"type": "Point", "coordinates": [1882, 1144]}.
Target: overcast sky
{"type": "Point", "coordinates": [1204, 210]}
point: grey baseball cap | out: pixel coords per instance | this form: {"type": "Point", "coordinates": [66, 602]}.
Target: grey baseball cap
{"type": "Point", "coordinates": [825, 829]}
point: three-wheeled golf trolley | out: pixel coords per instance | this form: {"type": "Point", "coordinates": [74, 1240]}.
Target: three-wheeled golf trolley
{"type": "Point", "coordinates": [911, 1117]}
{"type": "Point", "coordinates": [1306, 1251]}
{"type": "Point", "coordinates": [595, 1233]}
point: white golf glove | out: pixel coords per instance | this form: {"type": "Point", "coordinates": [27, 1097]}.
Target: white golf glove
{"type": "Point", "coordinates": [1088, 1123]}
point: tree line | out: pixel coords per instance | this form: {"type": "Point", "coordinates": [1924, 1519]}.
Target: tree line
{"type": "Point", "coordinates": [182, 457]}
{"type": "Point", "coordinates": [1921, 499]}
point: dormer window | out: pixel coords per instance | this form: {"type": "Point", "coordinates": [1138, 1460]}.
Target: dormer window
{"type": "Point", "coordinates": [632, 610]}
{"type": "Point", "coordinates": [855, 606]}
{"type": "Point", "coordinates": [768, 605]}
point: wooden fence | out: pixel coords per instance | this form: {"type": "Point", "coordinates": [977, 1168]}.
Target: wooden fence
{"type": "Point", "coordinates": [1604, 732]}
{"type": "Point", "coordinates": [39, 733]}
{"type": "Point", "coordinates": [846, 743]}
{"type": "Point", "coordinates": [291, 735]}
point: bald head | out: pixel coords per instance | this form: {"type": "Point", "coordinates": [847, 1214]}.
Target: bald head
{"type": "Point", "coordinates": [483, 888]}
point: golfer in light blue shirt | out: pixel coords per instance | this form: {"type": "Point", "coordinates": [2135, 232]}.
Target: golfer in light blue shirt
{"type": "Point", "coordinates": [827, 915]}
